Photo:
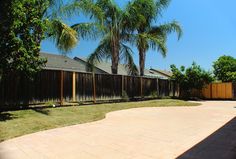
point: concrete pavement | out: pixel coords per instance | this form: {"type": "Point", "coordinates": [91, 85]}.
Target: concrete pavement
{"type": "Point", "coordinates": [141, 133]}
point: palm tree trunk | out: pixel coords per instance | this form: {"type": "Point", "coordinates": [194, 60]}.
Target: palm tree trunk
{"type": "Point", "coordinates": [115, 56]}
{"type": "Point", "coordinates": [115, 61]}
{"type": "Point", "coordinates": [142, 57]}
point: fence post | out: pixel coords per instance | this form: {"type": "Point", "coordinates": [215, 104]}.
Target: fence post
{"type": "Point", "coordinates": [94, 89]}
{"type": "Point", "coordinates": [74, 86]}
{"type": "Point", "coordinates": [141, 87]}
{"type": "Point", "coordinates": [122, 85]}
{"type": "Point", "coordinates": [61, 87]}
{"type": "Point", "coordinates": [157, 87]}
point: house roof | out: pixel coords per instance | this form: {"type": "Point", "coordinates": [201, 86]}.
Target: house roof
{"type": "Point", "coordinates": [106, 66]}
{"type": "Point", "coordinates": [163, 72]}
{"type": "Point", "coordinates": [122, 70]}
{"type": "Point", "coordinates": [61, 62]}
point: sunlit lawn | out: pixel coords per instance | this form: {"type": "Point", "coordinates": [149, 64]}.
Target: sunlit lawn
{"type": "Point", "coordinates": [17, 123]}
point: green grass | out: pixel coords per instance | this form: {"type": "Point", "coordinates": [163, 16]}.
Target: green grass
{"type": "Point", "coordinates": [18, 123]}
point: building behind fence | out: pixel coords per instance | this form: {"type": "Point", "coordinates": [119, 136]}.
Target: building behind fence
{"type": "Point", "coordinates": [66, 86]}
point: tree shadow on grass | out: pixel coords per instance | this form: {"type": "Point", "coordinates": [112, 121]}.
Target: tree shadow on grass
{"type": "Point", "coordinates": [6, 116]}
{"type": "Point", "coordinates": [219, 145]}
{"type": "Point", "coordinates": [41, 111]}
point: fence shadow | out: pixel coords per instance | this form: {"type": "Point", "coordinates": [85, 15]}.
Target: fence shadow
{"type": "Point", "coordinates": [6, 116]}
{"type": "Point", "coordinates": [219, 145]}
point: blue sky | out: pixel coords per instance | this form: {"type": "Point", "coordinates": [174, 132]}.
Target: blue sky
{"type": "Point", "coordinates": [209, 31]}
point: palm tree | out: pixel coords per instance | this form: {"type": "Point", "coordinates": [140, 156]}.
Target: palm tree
{"type": "Point", "coordinates": [112, 45]}
{"type": "Point", "coordinates": [149, 36]}
{"type": "Point", "coordinates": [109, 23]}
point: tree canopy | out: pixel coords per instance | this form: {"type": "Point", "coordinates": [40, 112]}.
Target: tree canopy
{"type": "Point", "coordinates": [21, 29]}
{"type": "Point", "coordinates": [23, 26]}
{"type": "Point", "coordinates": [225, 69]}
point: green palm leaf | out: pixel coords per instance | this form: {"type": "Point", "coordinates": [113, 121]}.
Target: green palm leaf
{"type": "Point", "coordinates": [64, 36]}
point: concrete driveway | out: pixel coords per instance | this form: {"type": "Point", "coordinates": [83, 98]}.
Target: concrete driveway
{"type": "Point", "coordinates": [207, 131]}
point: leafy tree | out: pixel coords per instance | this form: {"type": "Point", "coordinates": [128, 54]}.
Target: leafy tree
{"type": "Point", "coordinates": [149, 36]}
{"type": "Point", "coordinates": [23, 25]}
{"type": "Point", "coordinates": [21, 30]}
{"type": "Point", "coordinates": [193, 77]}
{"type": "Point", "coordinates": [225, 68]}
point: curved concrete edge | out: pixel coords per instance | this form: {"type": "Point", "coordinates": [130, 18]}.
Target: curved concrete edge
{"type": "Point", "coordinates": [154, 132]}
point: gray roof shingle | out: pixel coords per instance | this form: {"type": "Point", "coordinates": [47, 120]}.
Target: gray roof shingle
{"type": "Point", "coordinates": [61, 62]}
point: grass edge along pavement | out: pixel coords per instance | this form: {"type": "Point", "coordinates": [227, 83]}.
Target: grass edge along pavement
{"type": "Point", "coordinates": [21, 122]}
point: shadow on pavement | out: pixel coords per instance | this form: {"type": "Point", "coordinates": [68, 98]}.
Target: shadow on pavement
{"type": "Point", "coordinates": [219, 145]}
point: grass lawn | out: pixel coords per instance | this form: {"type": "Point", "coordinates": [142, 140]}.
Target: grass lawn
{"type": "Point", "coordinates": [17, 123]}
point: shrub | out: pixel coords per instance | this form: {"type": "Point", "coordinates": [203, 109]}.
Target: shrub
{"type": "Point", "coordinates": [191, 78]}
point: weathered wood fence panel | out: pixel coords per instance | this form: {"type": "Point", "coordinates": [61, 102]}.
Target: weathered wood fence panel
{"type": "Point", "coordinates": [164, 87]}
{"type": "Point", "coordinates": [84, 87]}
{"type": "Point", "coordinates": [65, 86]}
{"type": "Point", "coordinates": [15, 90]}
{"type": "Point", "coordinates": [108, 86]}
{"type": "Point", "coordinates": [132, 86]}
{"type": "Point", "coordinates": [149, 87]}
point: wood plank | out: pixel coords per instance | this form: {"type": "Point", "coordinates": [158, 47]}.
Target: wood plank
{"type": "Point", "coordinates": [74, 87]}
{"type": "Point", "coordinates": [214, 90]}
{"type": "Point", "coordinates": [94, 89]}
{"type": "Point", "coordinates": [141, 87]}
{"type": "Point", "coordinates": [229, 90]}
{"type": "Point", "coordinates": [61, 87]}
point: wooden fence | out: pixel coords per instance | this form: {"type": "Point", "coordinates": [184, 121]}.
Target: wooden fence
{"type": "Point", "coordinates": [64, 86]}
{"type": "Point", "coordinates": [220, 91]}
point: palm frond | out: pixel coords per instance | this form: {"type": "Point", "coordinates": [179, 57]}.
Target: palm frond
{"type": "Point", "coordinates": [88, 30]}
{"type": "Point", "coordinates": [87, 7]}
{"type": "Point", "coordinates": [127, 56]}
{"type": "Point", "coordinates": [160, 6]}
{"type": "Point", "coordinates": [154, 42]}
{"type": "Point", "coordinates": [158, 44]}
{"type": "Point", "coordinates": [111, 11]}
{"type": "Point", "coordinates": [53, 7]}
{"type": "Point", "coordinates": [132, 17]}
{"type": "Point", "coordinates": [142, 13]}
{"type": "Point", "coordinates": [103, 51]}
{"type": "Point", "coordinates": [167, 28]}
{"type": "Point", "coordinates": [64, 36]}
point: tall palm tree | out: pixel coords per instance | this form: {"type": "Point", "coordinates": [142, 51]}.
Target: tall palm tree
{"type": "Point", "coordinates": [109, 24]}
{"type": "Point", "coordinates": [112, 45]}
{"type": "Point", "coordinates": [149, 36]}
